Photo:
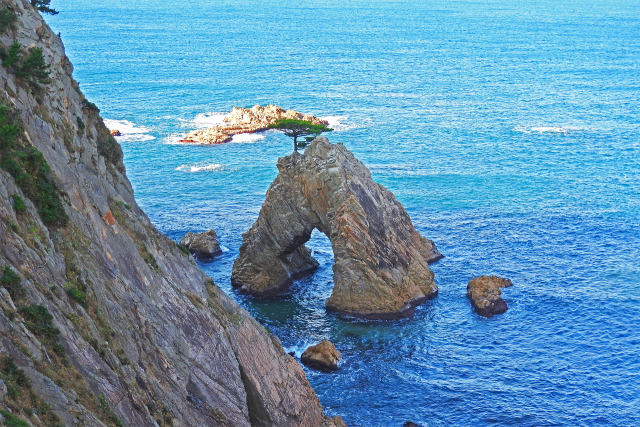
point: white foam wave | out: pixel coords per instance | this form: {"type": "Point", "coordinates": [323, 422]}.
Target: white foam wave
{"type": "Point", "coordinates": [549, 129]}
{"type": "Point", "coordinates": [207, 120]}
{"type": "Point", "coordinates": [129, 132]}
{"type": "Point", "coordinates": [247, 138]}
{"type": "Point", "coordinates": [339, 123]}
{"type": "Point", "coordinates": [200, 167]}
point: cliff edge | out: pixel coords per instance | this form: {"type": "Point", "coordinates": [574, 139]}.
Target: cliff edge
{"type": "Point", "coordinates": [103, 320]}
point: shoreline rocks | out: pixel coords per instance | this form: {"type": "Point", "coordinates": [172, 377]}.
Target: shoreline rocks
{"type": "Point", "coordinates": [203, 246]}
{"type": "Point", "coordinates": [381, 262]}
{"type": "Point", "coordinates": [323, 356]}
{"type": "Point", "coordinates": [115, 132]}
{"type": "Point", "coordinates": [484, 293]}
{"type": "Point", "coordinates": [246, 120]}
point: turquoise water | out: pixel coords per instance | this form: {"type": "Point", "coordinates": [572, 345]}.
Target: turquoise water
{"type": "Point", "coordinates": [509, 131]}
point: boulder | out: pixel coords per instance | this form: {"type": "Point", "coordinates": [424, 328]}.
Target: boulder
{"type": "Point", "coordinates": [484, 293]}
{"type": "Point", "coordinates": [246, 120]}
{"type": "Point", "coordinates": [380, 267]}
{"type": "Point", "coordinates": [115, 132]}
{"type": "Point", "coordinates": [323, 356]}
{"type": "Point", "coordinates": [203, 245]}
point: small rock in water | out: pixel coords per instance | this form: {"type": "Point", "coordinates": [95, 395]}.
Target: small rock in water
{"type": "Point", "coordinates": [116, 132]}
{"type": "Point", "coordinates": [484, 293]}
{"type": "Point", "coordinates": [202, 245]}
{"type": "Point", "coordinates": [323, 356]}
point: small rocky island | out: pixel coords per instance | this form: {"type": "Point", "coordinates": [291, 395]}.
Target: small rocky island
{"type": "Point", "coordinates": [204, 246]}
{"type": "Point", "coordinates": [381, 266]}
{"type": "Point", "coordinates": [246, 120]}
{"type": "Point", "coordinates": [323, 356]}
{"type": "Point", "coordinates": [484, 293]}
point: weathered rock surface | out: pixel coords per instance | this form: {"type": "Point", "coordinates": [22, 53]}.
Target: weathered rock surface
{"type": "Point", "coordinates": [484, 293]}
{"type": "Point", "coordinates": [246, 120]}
{"type": "Point", "coordinates": [323, 356]}
{"type": "Point", "coordinates": [149, 340]}
{"type": "Point", "coordinates": [203, 245]}
{"type": "Point", "coordinates": [381, 262]}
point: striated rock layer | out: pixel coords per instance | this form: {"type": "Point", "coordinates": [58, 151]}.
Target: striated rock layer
{"type": "Point", "coordinates": [381, 262]}
{"type": "Point", "coordinates": [246, 120]}
{"type": "Point", "coordinates": [108, 320]}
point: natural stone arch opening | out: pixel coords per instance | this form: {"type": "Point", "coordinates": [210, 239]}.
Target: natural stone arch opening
{"type": "Point", "coordinates": [380, 265]}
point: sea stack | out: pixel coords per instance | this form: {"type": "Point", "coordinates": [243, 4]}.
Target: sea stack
{"type": "Point", "coordinates": [484, 293]}
{"type": "Point", "coordinates": [381, 266]}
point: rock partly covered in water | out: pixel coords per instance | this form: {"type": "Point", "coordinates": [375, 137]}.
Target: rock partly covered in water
{"type": "Point", "coordinates": [323, 356]}
{"type": "Point", "coordinates": [115, 325]}
{"type": "Point", "coordinates": [381, 262]}
{"type": "Point", "coordinates": [246, 120]}
{"type": "Point", "coordinates": [484, 293]}
{"type": "Point", "coordinates": [115, 132]}
{"type": "Point", "coordinates": [203, 245]}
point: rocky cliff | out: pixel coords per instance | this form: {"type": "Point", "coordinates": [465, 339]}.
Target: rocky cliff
{"type": "Point", "coordinates": [103, 320]}
{"type": "Point", "coordinates": [380, 261]}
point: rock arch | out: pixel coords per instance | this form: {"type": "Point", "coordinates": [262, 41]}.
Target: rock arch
{"type": "Point", "coordinates": [380, 261]}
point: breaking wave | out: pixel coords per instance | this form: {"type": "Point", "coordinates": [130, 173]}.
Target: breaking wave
{"type": "Point", "coordinates": [129, 131]}
{"type": "Point", "coordinates": [339, 123]}
{"type": "Point", "coordinates": [199, 167]}
{"type": "Point", "coordinates": [549, 129]}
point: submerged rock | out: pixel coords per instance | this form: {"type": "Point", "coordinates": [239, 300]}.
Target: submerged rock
{"type": "Point", "coordinates": [381, 262]}
{"type": "Point", "coordinates": [246, 120]}
{"type": "Point", "coordinates": [323, 356]}
{"type": "Point", "coordinates": [484, 293]}
{"type": "Point", "coordinates": [203, 245]}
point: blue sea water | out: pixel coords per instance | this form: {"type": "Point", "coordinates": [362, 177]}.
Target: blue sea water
{"type": "Point", "coordinates": [509, 131]}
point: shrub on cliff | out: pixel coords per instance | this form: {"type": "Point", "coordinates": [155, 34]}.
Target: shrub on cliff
{"type": "Point", "coordinates": [7, 18]}
{"type": "Point", "coordinates": [29, 169]}
{"type": "Point", "coordinates": [43, 6]}
{"type": "Point", "coordinates": [299, 128]}
{"type": "Point", "coordinates": [30, 67]}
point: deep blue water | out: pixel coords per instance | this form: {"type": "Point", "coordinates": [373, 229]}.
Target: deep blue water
{"type": "Point", "coordinates": [509, 131]}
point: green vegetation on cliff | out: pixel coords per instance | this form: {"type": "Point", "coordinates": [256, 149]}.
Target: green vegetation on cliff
{"type": "Point", "coordinates": [29, 65]}
{"type": "Point", "coordinates": [7, 18]}
{"type": "Point", "coordinates": [21, 398]}
{"type": "Point", "coordinates": [29, 169]}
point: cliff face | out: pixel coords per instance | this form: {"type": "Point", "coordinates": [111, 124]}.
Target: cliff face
{"type": "Point", "coordinates": [103, 320]}
{"type": "Point", "coordinates": [381, 262]}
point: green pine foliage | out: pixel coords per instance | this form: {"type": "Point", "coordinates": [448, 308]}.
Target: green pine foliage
{"type": "Point", "coordinates": [299, 128]}
{"type": "Point", "coordinates": [34, 69]}
{"type": "Point", "coordinates": [18, 203]}
{"type": "Point", "coordinates": [39, 321]}
{"type": "Point", "coordinates": [29, 66]}
{"type": "Point", "coordinates": [29, 169]}
{"type": "Point", "coordinates": [11, 282]}
{"type": "Point", "coordinates": [43, 6]}
{"type": "Point", "coordinates": [7, 17]}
